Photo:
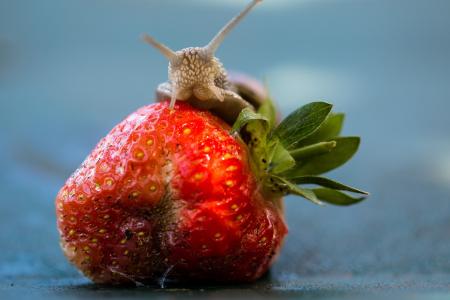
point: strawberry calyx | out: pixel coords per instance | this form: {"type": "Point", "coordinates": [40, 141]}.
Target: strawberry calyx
{"type": "Point", "coordinates": [288, 157]}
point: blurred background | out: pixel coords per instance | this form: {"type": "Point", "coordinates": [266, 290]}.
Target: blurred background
{"type": "Point", "coordinates": [71, 70]}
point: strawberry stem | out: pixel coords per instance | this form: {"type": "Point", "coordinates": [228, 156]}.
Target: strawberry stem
{"type": "Point", "coordinates": [313, 150]}
{"type": "Point", "coordinates": [285, 158]}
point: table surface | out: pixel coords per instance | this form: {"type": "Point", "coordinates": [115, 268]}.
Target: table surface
{"type": "Point", "coordinates": [70, 70]}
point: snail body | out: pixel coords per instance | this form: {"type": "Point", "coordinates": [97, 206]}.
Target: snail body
{"type": "Point", "coordinates": [197, 76]}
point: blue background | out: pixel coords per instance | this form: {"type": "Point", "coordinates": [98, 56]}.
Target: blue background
{"type": "Point", "coordinates": [71, 70]}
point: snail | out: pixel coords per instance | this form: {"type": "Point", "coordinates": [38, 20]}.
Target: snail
{"type": "Point", "coordinates": [197, 76]}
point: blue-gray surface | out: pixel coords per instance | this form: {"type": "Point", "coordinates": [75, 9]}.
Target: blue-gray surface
{"type": "Point", "coordinates": [70, 70]}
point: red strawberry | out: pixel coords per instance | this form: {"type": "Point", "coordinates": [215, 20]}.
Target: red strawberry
{"type": "Point", "coordinates": [168, 192]}
{"type": "Point", "coordinates": [175, 195]}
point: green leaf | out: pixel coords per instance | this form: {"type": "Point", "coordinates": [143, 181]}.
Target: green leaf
{"type": "Point", "coordinates": [325, 182]}
{"type": "Point", "coordinates": [345, 148]}
{"type": "Point", "coordinates": [281, 160]}
{"type": "Point", "coordinates": [329, 129]}
{"type": "Point", "coordinates": [335, 197]}
{"type": "Point", "coordinates": [293, 189]}
{"type": "Point", "coordinates": [301, 123]}
{"type": "Point", "coordinates": [312, 150]}
{"type": "Point", "coordinates": [267, 110]}
{"type": "Point", "coordinates": [246, 116]}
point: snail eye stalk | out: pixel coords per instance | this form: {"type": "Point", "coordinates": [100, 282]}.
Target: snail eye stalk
{"type": "Point", "coordinates": [215, 43]}
{"type": "Point", "coordinates": [166, 51]}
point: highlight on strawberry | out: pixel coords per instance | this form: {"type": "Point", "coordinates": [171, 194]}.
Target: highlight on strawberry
{"type": "Point", "coordinates": [190, 189]}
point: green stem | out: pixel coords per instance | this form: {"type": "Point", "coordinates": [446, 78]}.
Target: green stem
{"type": "Point", "coordinates": [312, 150]}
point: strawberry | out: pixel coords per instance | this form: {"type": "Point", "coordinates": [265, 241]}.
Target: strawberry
{"type": "Point", "coordinates": [175, 193]}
